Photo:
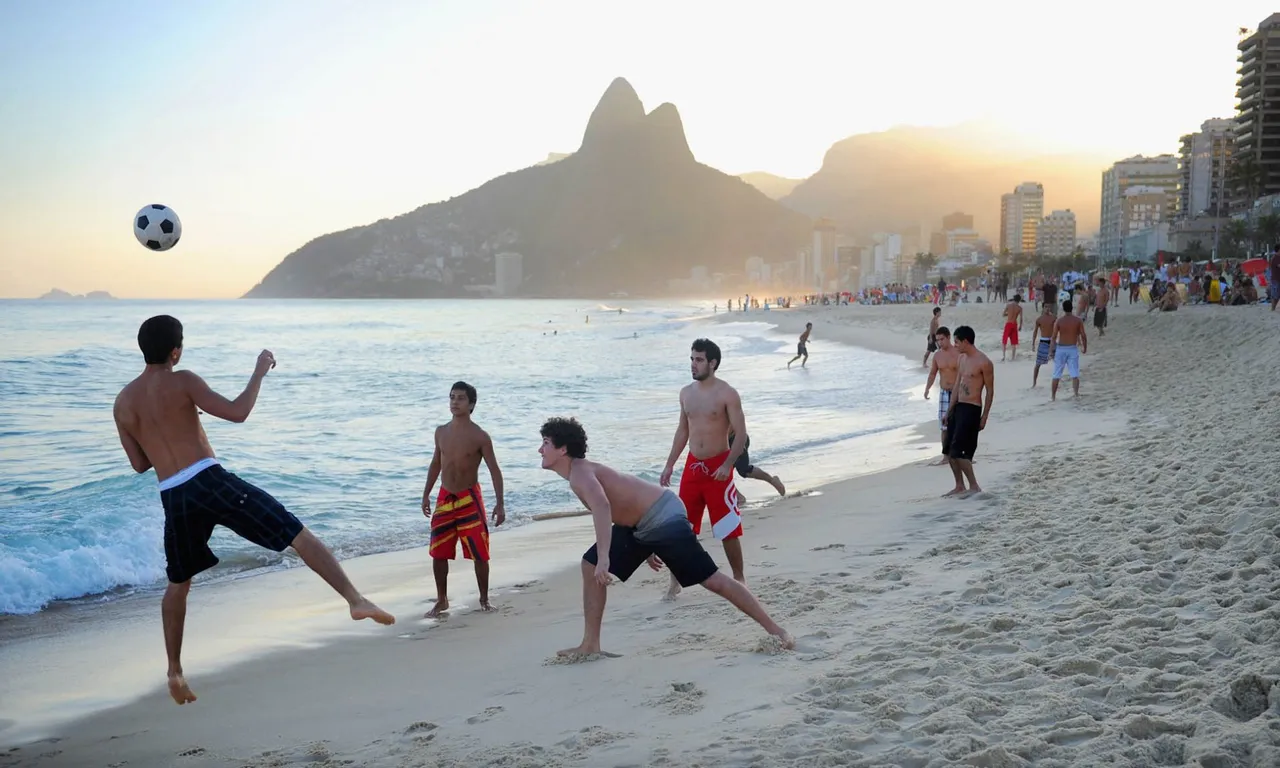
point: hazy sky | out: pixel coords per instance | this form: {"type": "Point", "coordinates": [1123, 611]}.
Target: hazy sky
{"type": "Point", "coordinates": [265, 124]}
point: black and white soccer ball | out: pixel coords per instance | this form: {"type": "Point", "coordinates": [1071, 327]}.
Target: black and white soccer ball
{"type": "Point", "coordinates": [157, 227]}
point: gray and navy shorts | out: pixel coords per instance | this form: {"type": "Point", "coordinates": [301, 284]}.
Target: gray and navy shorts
{"type": "Point", "coordinates": [213, 496]}
{"type": "Point", "coordinates": [664, 530]}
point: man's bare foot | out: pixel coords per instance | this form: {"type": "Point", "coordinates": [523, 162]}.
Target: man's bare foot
{"type": "Point", "coordinates": [952, 492]}
{"type": "Point", "coordinates": [439, 609]}
{"type": "Point", "coordinates": [365, 609]}
{"type": "Point", "coordinates": [487, 606]}
{"type": "Point", "coordinates": [968, 493]}
{"type": "Point", "coordinates": [672, 592]}
{"type": "Point", "coordinates": [179, 690]}
{"type": "Point", "coordinates": [778, 486]}
{"type": "Point", "coordinates": [582, 650]}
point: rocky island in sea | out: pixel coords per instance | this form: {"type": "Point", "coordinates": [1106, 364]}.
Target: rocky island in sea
{"type": "Point", "coordinates": [57, 294]}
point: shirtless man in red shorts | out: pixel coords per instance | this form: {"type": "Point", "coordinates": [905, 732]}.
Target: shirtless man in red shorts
{"type": "Point", "coordinates": [459, 516]}
{"type": "Point", "coordinates": [709, 410]}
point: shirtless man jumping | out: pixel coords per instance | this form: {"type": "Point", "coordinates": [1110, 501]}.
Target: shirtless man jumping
{"type": "Point", "coordinates": [945, 363]}
{"type": "Point", "coordinates": [635, 522]}
{"type": "Point", "coordinates": [1012, 325]}
{"type": "Point", "coordinates": [709, 409]}
{"type": "Point", "coordinates": [969, 411]}
{"type": "Point", "coordinates": [159, 424]}
{"type": "Point", "coordinates": [459, 513]}
{"type": "Point", "coordinates": [1068, 332]}
{"type": "Point", "coordinates": [1044, 339]}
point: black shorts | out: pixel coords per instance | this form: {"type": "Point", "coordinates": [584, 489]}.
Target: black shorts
{"type": "Point", "coordinates": [672, 539]}
{"type": "Point", "coordinates": [933, 344]}
{"type": "Point", "coordinates": [1100, 318]}
{"type": "Point", "coordinates": [962, 431]}
{"type": "Point", "coordinates": [217, 497]}
{"type": "Point", "coordinates": [743, 464]}
{"type": "Point", "coordinates": [801, 350]}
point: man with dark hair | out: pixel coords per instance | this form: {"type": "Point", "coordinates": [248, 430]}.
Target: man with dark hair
{"type": "Point", "coordinates": [459, 512]}
{"type": "Point", "coordinates": [1012, 325]}
{"type": "Point", "coordinates": [1069, 341]}
{"type": "Point", "coordinates": [802, 349]}
{"type": "Point", "coordinates": [945, 364]}
{"type": "Point", "coordinates": [635, 521]}
{"type": "Point", "coordinates": [709, 410]}
{"type": "Point", "coordinates": [158, 418]}
{"type": "Point", "coordinates": [969, 410]}
{"type": "Point", "coordinates": [931, 345]}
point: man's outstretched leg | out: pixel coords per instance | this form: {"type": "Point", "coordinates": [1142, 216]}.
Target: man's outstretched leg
{"type": "Point", "coordinates": [440, 569]}
{"type": "Point", "coordinates": [742, 599]}
{"type": "Point", "coordinates": [757, 473]}
{"type": "Point", "coordinates": [173, 613]}
{"type": "Point", "coordinates": [593, 599]}
{"type": "Point", "coordinates": [319, 559]}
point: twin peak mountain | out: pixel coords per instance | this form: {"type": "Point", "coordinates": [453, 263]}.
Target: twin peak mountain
{"type": "Point", "coordinates": [626, 212]}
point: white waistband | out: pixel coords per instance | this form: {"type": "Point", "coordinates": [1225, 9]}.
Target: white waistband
{"type": "Point", "coordinates": [174, 481]}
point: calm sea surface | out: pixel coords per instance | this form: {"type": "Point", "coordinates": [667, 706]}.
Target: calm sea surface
{"type": "Point", "coordinates": [342, 430]}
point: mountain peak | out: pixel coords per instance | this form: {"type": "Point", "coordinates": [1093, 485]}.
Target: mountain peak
{"type": "Point", "coordinates": [618, 111]}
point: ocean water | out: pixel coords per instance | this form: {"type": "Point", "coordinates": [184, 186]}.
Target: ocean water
{"type": "Point", "coordinates": [342, 432]}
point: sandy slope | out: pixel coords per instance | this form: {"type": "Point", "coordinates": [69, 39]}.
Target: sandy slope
{"type": "Point", "coordinates": [1110, 600]}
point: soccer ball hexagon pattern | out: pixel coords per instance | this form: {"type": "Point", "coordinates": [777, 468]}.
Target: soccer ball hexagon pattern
{"type": "Point", "coordinates": [157, 227]}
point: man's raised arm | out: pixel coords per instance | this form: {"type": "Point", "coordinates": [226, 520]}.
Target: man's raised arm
{"type": "Point", "coordinates": [215, 404]}
{"type": "Point", "coordinates": [678, 444]}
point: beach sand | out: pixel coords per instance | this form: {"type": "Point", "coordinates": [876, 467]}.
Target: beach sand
{"type": "Point", "coordinates": [1111, 598]}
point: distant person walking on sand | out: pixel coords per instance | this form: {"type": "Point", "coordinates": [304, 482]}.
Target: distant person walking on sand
{"type": "Point", "coordinates": [1101, 300]}
{"type": "Point", "coordinates": [1135, 285]}
{"type": "Point", "coordinates": [1069, 342]}
{"type": "Point", "coordinates": [709, 410]}
{"type": "Point", "coordinates": [802, 349]}
{"type": "Point", "coordinates": [157, 416]}
{"type": "Point", "coordinates": [747, 470]}
{"type": "Point", "coordinates": [1050, 298]}
{"type": "Point", "coordinates": [459, 516]}
{"type": "Point", "coordinates": [1273, 290]}
{"type": "Point", "coordinates": [975, 378]}
{"type": "Point", "coordinates": [635, 522]}
{"type": "Point", "coordinates": [931, 345]}
{"type": "Point", "coordinates": [946, 364]}
{"type": "Point", "coordinates": [1012, 325]}
{"type": "Point", "coordinates": [1044, 340]}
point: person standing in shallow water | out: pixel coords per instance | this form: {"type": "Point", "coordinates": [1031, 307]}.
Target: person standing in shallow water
{"type": "Point", "coordinates": [157, 416]}
{"type": "Point", "coordinates": [459, 516]}
{"type": "Point", "coordinates": [636, 522]}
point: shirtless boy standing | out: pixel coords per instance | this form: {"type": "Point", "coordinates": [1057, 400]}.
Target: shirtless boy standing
{"type": "Point", "coordinates": [802, 349]}
{"type": "Point", "coordinates": [1044, 339]}
{"type": "Point", "coordinates": [1012, 325]}
{"type": "Point", "coordinates": [945, 364]}
{"type": "Point", "coordinates": [459, 512]}
{"type": "Point", "coordinates": [931, 343]}
{"type": "Point", "coordinates": [709, 409]}
{"type": "Point", "coordinates": [635, 522]}
{"type": "Point", "coordinates": [1069, 342]}
{"type": "Point", "coordinates": [1101, 299]}
{"type": "Point", "coordinates": [159, 425]}
{"type": "Point", "coordinates": [969, 410]}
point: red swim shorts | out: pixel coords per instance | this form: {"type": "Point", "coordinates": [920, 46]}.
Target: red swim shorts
{"type": "Point", "coordinates": [1010, 334]}
{"type": "Point", "coordinates": [699, 490]}
{"type": "Point", "coordinates": [459, 517]}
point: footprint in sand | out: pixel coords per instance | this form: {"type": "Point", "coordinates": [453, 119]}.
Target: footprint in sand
{"type": "Point", "coordinates": [488, 714]}
{"type": "Point", "coordinates": [192, 752]}
{"type": "Point", "coordinates": [827, 546]}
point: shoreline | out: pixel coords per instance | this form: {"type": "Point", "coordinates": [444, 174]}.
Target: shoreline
{"type": "Point", "coordinates": [1109, 598]}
